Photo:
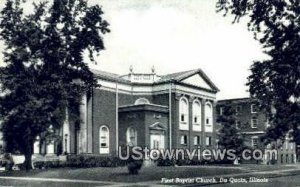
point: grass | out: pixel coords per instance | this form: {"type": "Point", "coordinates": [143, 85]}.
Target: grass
{"type": "Point", "coordinates": [152, 173]}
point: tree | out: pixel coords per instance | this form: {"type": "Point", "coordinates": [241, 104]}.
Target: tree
{"type": "Point", "coordinates": [230, 137]}
{"type": "Point", "coordinates": [44, 70]}
{"type": "Point", "coordinates": [275, 82]}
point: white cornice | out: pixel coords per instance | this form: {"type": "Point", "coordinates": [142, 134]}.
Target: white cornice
{"type": "Point", "coordinates": [154, 89]}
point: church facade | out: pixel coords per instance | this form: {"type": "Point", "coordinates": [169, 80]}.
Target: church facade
{"type": "Point", "coordinates": [141, 109]}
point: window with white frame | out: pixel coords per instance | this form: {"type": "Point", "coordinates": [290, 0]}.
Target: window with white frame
{"type": "Point", "coordinates": [254, 122]}
{"type": "Point", "coordinates": [183, 140]}
{"type": "Point", "coordinates": [221, 109]}
{"type": "Point", "coordinates": [183, 114]}
{"type": "Point", "coordinates": [253, 108]}
{"type": "Point", "coordinates": [196, 116]}
{"type": "Point", "coordinates": [104, 140]}
{"type": "Point", "coordinates": [208, 140]}
{"type": "Point", "coordinates": [208, 117]}
{"type": "Point", "coordinates": [131, 136]}
{"type": "Point", "coordinates": [197, 140]}
{"type": "Point", "coordinates": [254, 141]}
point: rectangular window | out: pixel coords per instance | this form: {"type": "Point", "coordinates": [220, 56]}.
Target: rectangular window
{"type": "Point", "coordinates": [197, 140]}
{"type": "Point", "coordinates": [182, 118]}
{"type": "Point", "coordinates": [207, 121]}
{"type": "Point", "coordinates": [221, 110]}
{"type": "Point", "coordinates": [238, 109]}
{"type": "Point", "coordinates": [254, 122]}
{"type": "Point", "coordinates": [183, 139]}
{"type": "Point", "coordinates": [254, 141]}
{"type": "Point", "coordinates": [208, 140]}
{"type": "Point", "coordinates": [253, 108]}
{"type": "Point", "coordinates": [196, 119]}
{"type": "Point", "coordinates": [103, 141]}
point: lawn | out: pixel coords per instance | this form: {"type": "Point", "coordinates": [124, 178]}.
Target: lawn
{"type": "Point", "coordinates": [152, 173]}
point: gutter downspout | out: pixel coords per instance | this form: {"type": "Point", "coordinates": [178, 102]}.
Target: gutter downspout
{"type": "Point", "coordinates": [170, 114]}
{"type": "Point", "coordinates": [117, 118]}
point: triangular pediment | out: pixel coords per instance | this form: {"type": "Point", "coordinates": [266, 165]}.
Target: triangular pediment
{"type": "Point", "coordinates": [196, 80]}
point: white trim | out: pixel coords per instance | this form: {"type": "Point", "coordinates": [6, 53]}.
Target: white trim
{"type": "Point", "coordinates": [154, 89]}
{"type": "Point", "coordinates": [183, 138]}
{"type": "Point", "coordinates": [252, 124]}
{"type": "Point", "coordinates": [252, 107]}
{"type": "Point", "coordinates": [254, 132]}
{"type": "Point", "coordinates": [208, 140]}
{"type": "Point", "coordinates": [145, 101]}
{"type": "Point", "coordinates": [183, 125]}
{"type": "Point", "coordinates": [104, 149]}
{"type": "Point", "coordinates": [197, 140]}
{"type": "Point", "coordinates": [252, 140]}
{"type": "Point", "coordinates": [197, 126]}
{"type": "Point", "coordinates": [209, 117]}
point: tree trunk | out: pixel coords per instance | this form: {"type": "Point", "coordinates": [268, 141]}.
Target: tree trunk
{"type": "Point", "coordinates": [28, 155]}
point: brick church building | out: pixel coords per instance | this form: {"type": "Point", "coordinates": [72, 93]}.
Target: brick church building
{"type": "Point", "coordinates": [143, 109]}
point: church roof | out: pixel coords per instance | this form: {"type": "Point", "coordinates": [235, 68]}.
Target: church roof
{"type": "Point", "coordinates": [179, 76]}
{"type": "Point", "coordinates": [175, 77]}
{"type": "Point", "coordinates": [109, 76]}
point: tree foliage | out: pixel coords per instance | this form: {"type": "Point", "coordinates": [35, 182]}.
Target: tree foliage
{"type": "Point", "coordinates": [44, 71]}
{"type": "Point", "coordinates": [230, 136]}
{"type": "Point", "coordinates": [275, 81]}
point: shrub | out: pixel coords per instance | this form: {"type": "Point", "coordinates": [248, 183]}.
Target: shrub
{"type": "Point", "coordinates": [94, 161]}
{"type": "Point", "coordinates": [48, 164]}
{"type": "Point", "coordinates": [165, 162]}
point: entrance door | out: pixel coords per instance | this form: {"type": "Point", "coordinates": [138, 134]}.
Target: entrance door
{"type": "Point", "coordinates": [157, 141]}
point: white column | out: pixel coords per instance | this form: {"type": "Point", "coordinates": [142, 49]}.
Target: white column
{"type": "Point", "coordinates": [50, 147]}
{"type": "Point", "coordinates": [66, 134]}
{"type": "Point", "coordinates": [83, 126]}
{"type": "Point", "coordinates": [36, 146]}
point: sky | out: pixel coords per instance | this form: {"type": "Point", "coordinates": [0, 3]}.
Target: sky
{"type": "Point", "coordinates": [177, 35]}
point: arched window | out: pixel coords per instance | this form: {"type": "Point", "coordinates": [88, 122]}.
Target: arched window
{"type": "Point", "coordinates": [131, 136]}
{"type": "Point", "coordinates": [183, 114]}
{"type": "Point", "coordinates": [208, 117]}
{"type": "Point", "coordinates": [141, 101]}
{"type": "Point", "coordinates": [196, 116]}
{"type": "Point", "coordinates": [104, 140]}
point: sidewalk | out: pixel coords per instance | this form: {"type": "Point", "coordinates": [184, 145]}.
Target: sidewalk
{"type": "Point", "coordinates": [266, 174]}
{"type": "Point", "coordinates": [247, 173]}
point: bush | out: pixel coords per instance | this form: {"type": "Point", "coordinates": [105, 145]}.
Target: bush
{"type": "Point", "coordinates": [134, 166]}
{"type": "Point", "coordinates": [94, 161]}
{"type": "Point", "coordinates": [7, 161]}
{"type": "Point", "coordinates": [48, 164]}
{"type": "Point", "coordinates": [165, 162]}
